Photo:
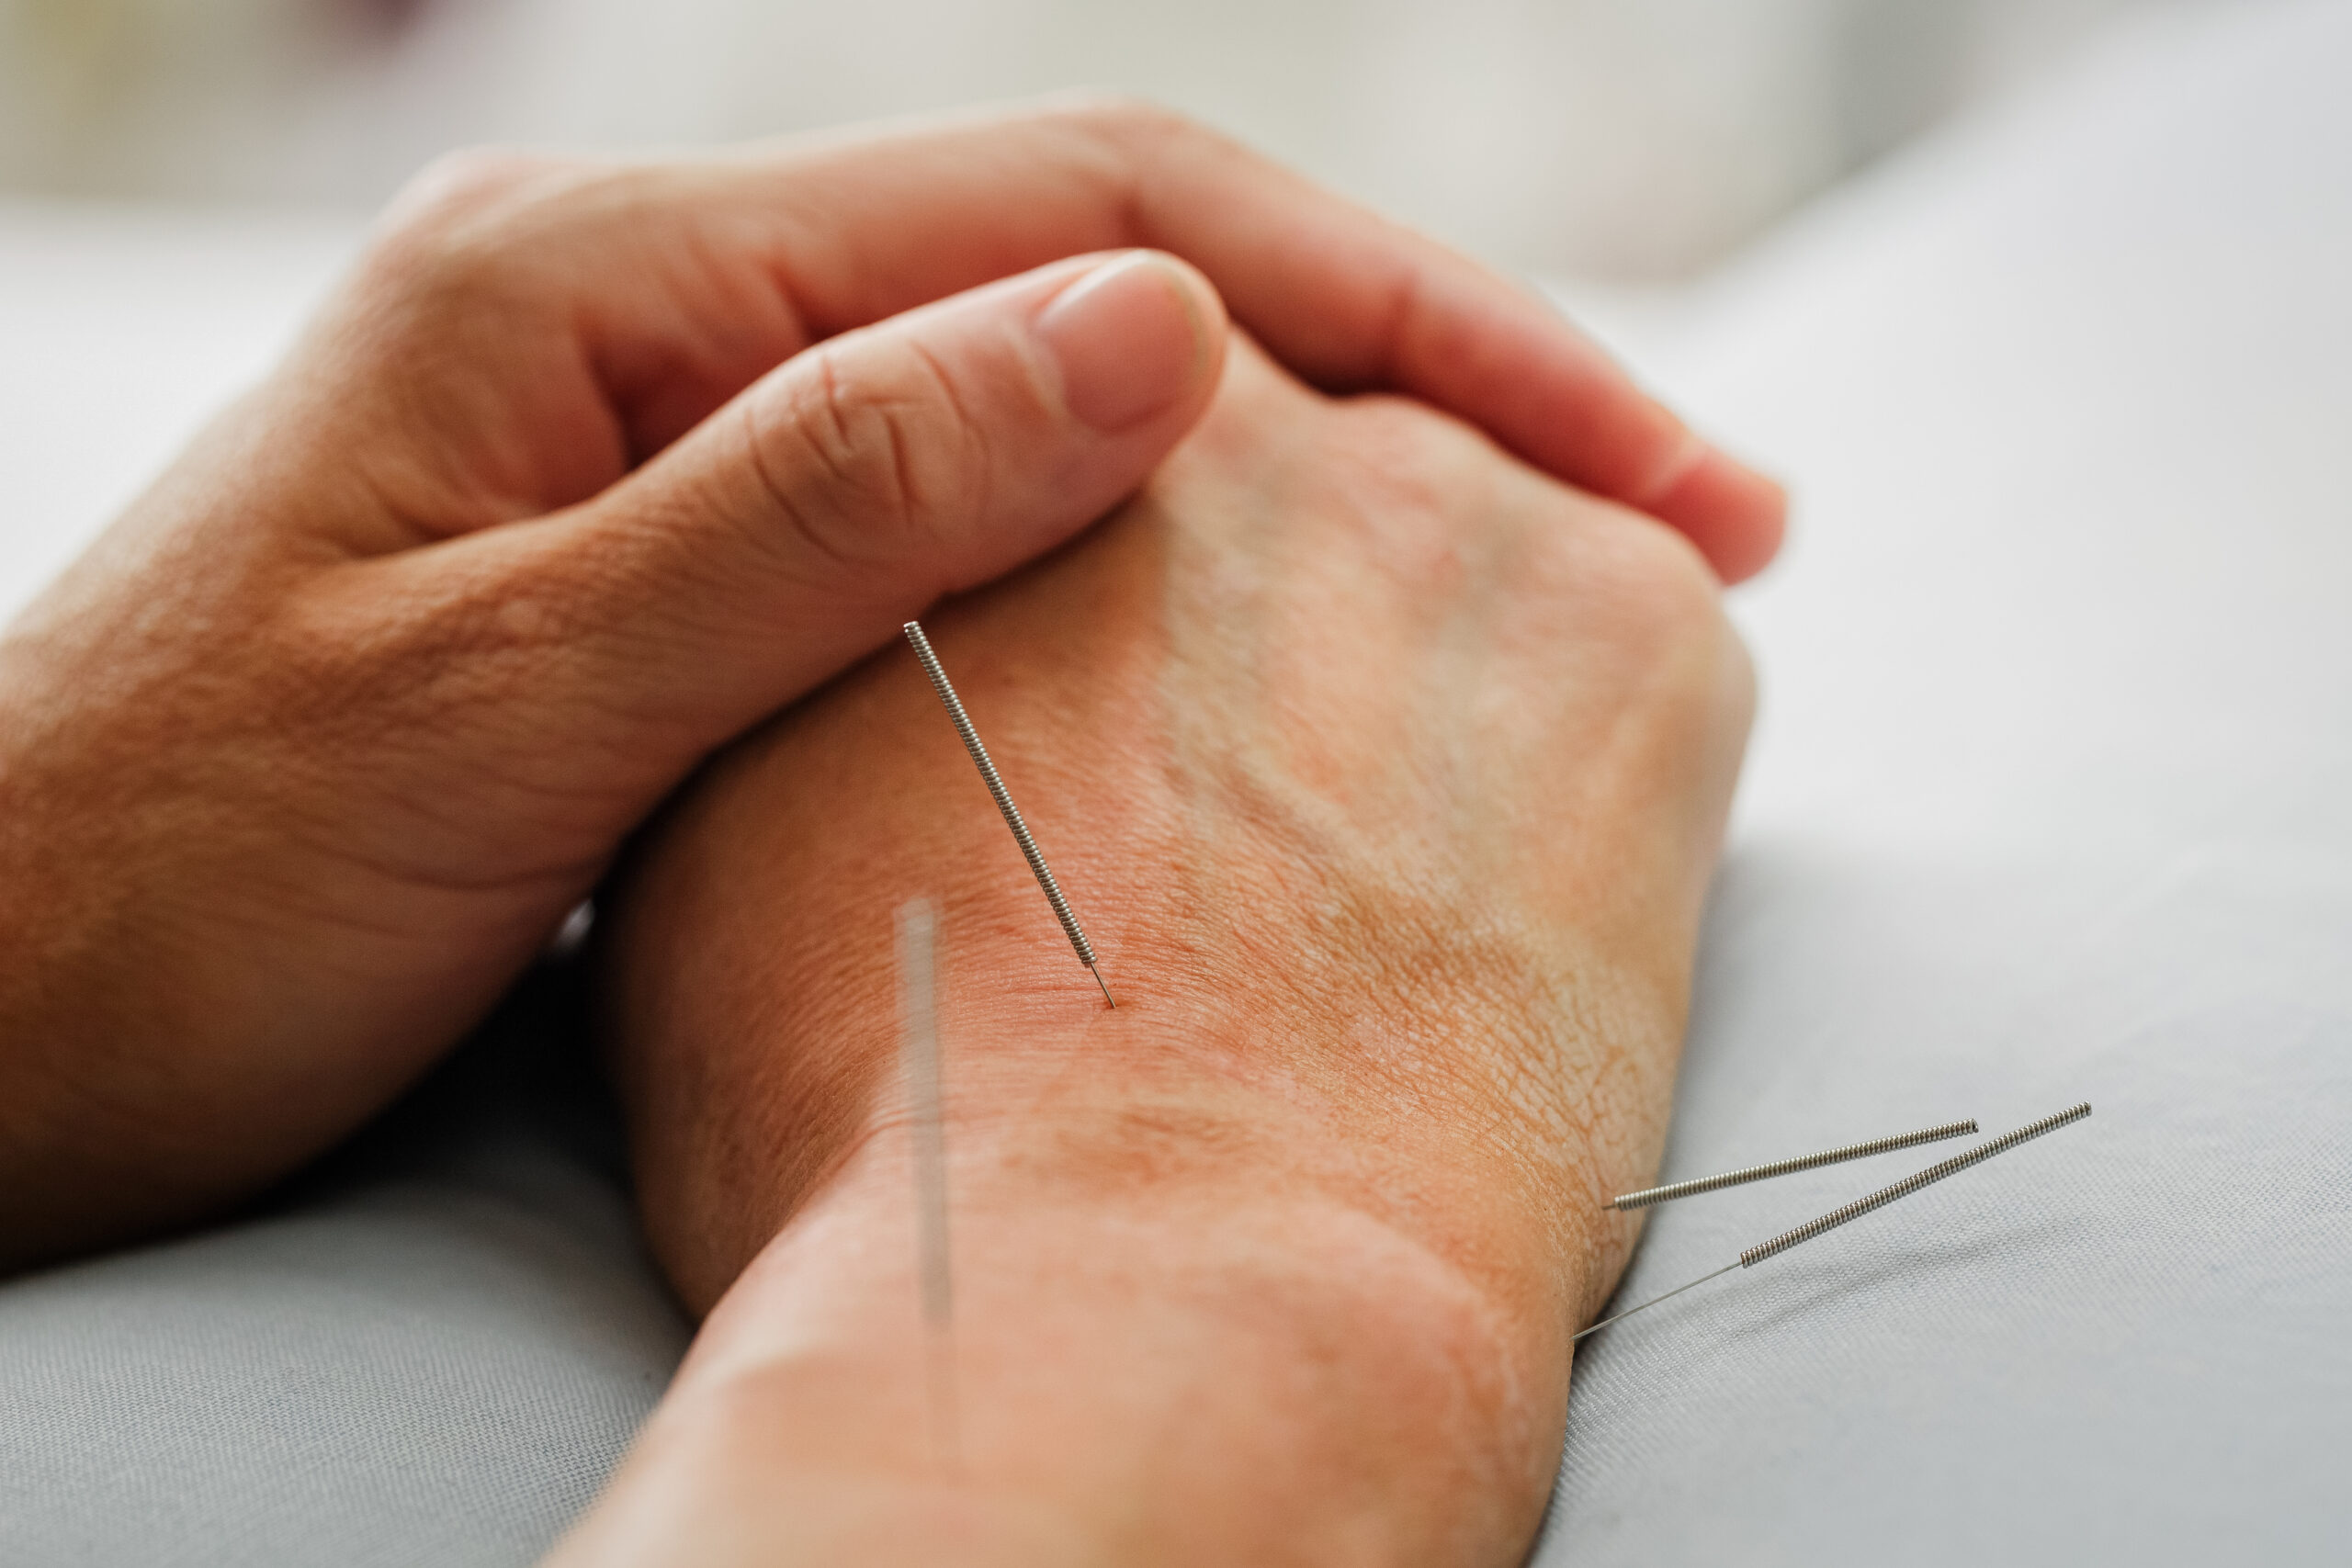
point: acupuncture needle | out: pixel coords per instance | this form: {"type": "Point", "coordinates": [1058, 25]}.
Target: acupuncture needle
{"type": "Point", "coordinates": [1029, 850]}
{"type": "Point", "coordinates": [919, 1029]}
{"type": "Point", "coordinates": [1857, 1208]}
{"type": "Point", "coordinates": [1667, 1194]}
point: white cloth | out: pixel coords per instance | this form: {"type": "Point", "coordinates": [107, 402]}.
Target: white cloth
{"type": "Point", "coordinates": [2050, 800]}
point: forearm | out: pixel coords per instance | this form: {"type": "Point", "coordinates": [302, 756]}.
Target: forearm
{"type": "Point", "coordinates": [1193, 1324]}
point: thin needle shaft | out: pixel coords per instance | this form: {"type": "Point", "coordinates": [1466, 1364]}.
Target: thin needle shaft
{"type": "Point", "coordinates": [1654, 1301]}
{"type": "Point", "coordinates": [918, 1025]}
{"type": "Point", "coordinates": [1861, 1206]}
{"type": "Point", "coordinates": [1070, 928]}
{"type": "Point", "coordinates": [1667, 1194]}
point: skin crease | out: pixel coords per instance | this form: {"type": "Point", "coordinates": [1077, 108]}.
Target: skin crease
{"type": "Point", "coordinates": [1387, 775]}
{"type": "Point", "coordinates": [588, 469]}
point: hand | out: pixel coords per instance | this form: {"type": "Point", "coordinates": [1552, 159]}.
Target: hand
{"type": "Point", "coordinates": [314, 750]}
{"type": "Point", "coordinates": [1387, 775]}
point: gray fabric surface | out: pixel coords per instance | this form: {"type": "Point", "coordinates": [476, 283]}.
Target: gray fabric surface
{"type": "Point", "coordinates": [433, 1349]}
{"type": "Point", "coordinates": [2051, 800]}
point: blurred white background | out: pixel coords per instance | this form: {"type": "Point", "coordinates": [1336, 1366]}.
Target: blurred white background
{"type": "Point", "coordinates": [1618, 141]}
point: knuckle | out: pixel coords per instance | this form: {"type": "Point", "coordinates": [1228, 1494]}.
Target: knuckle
{"type": "Point", "coordinates": [1127, 115]}
{"type": "Point", "coordinates": [459, 233]}
{"type": "Point", "coordinates": [461, 193]}
{"type": "Point", "coordinates": [472, 177]}
{"type": "Point", "coordinates": [1136, 133]}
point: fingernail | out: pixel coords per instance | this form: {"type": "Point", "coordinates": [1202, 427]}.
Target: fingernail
{"type": "Point", "coordinates": [1129, 340]}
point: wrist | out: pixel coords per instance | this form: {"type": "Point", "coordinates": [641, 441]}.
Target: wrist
{"type": "Point", "coordinates": [1193, 1361]}
{"type": "Point", "coordinates": [1238, 1243]}
{"type": "Point", "coordinates": [1470, 1113]}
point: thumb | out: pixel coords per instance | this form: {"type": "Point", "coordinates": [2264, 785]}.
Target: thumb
{"type": "Point", "coordinates": [798, 526]}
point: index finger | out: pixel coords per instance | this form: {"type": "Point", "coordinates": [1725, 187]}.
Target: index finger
{"type": "Point", "coordinates": [850, 228]}
{"type": "Point", "coordinates": [1348, 300]}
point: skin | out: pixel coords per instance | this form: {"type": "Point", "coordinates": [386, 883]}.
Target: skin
{"type": "Point", "coordinates": [587, 470]}
{"type": "Point", "coordinates": [1387, 773]}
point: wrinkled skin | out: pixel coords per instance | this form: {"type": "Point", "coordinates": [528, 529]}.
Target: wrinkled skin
{"type": "Point", "coordinates": [1386, 774]}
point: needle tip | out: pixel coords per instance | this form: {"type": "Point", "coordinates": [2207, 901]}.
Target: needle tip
{"type": "Point", "coordinates": [1098, 980]}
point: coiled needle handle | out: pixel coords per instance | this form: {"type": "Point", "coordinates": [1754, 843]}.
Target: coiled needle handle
{"type": "Point", "coordinates": [1861, 1206]}
{"type": "Point", "coordinates": [1910, 1184]}
{"type": "Point", "coordinates": [1070, 928]}
{"type": "Point", "coordinates": [1691, 1188]}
